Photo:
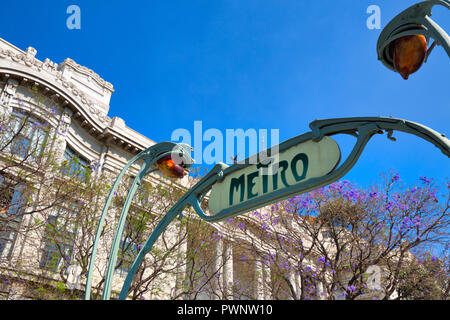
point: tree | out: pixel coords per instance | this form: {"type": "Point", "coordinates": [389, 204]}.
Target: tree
{"type": "Point", "coordinates": [33, 182]}
{"type": "Point", "coordinates": [338, 241]}
{"type": "Point", "coordinates": [426, 278]}
{"type": "Point", "coordinates": [52, 205]}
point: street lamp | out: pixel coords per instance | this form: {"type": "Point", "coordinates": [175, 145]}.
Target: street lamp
{"type": "Point", "coordinates": [172, 160]}
{"type": "Point", "coordinates": [402, 45]}
{"type": "Point", "coordinates": [168, 167]}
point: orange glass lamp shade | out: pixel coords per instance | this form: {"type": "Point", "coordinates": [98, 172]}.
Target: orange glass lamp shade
{"type": "Point", "coordinates": [169, 168]}
{"type": "Point", "coordinates": [409, 53]}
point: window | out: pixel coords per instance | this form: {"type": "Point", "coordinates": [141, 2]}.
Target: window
{"type": "Point", "coordinates": [10, 216]}
{"type": "Point", "coordinates": [127, 253]}
{"type": "Point", "coordinates": [128, 250]}
{"type": "Point", "coordinates": [25, 136]}
{"type": "Point", "coordinates": [59, 238]}
{"type": "Point", "coordinates": [143, 193]}
{"type": "Point", "coordinates": [327, 235]}
{"type": "Point", "coordinates": [74, 165]}
{"type": "Point", "coordinates": [53, 254]}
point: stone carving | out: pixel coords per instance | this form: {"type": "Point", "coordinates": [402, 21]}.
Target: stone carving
{"type": "Point", "coordinates": [50, 65]}
{"type": "Point", "coordinates": [118, 122]}
{"type": "Point", "coordinates": [8, 92]}
{"type": "Point", "coordinates": [73, 278]}
{"type": "Point", "coordinates": [90, 73]}
{"type": "Point", "coordinates": [31, 52]}
{"type": "Point", "coordinates": [11, 87]}
{"type": "Point", "coordinates": [29, 60]}
{"type": "Point", "coordinates": [66, 119]}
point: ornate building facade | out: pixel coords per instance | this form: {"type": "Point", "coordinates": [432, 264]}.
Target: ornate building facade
{"type": "Point", "coordinates": [78, 101]}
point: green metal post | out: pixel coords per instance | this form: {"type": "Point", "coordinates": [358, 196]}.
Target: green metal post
{"type": "Point", "coordinates": [150, 156]}
{"type": "Point", "coordinates": [87, 294]}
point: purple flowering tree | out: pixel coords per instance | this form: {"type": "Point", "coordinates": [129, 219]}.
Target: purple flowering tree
{"type": "Point", "coordinates": [345, 242]}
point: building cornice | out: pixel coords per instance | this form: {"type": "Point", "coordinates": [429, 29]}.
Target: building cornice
{"type": "Point", "coordinates": [49, 79]}
{"type": "Point", "coordinates": [88, 72]}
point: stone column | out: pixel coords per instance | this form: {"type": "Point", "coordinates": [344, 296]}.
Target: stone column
{"type": "Point", "coordinates": [267, 283]}
{"type": "Point", "coordinates": [259, 280]}
{"type": "Point", "coordinates": [181, 264]}
{"type": "Point", "coordinates": [7, 94]}
{"type": "Point", "coordinates": [298, 285]}
{"type": "Point", "coordinates": [320, 291]}
{"type": "Point", "coordinates": [228, 271]}
{"type": "Point", "coordinates": [61, 134]}
{"type": "Point", "coordinates": [102, 159]}
{"type": "Point", "coordinates": [218, 268]}
{"type": "Point", "coordinates": [292, 280]}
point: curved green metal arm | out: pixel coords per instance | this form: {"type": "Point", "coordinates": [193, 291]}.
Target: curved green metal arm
{"type": "Point", "coordinates": [190, 197]}
{"type": "Point", "coordinates": [352, 126]}
{"type": "Point", "coordinates": [101, 223]}
{"type": "Point", "coordinates": [364, 128]}
{"type": "Point", "coordinates": [150, 156]}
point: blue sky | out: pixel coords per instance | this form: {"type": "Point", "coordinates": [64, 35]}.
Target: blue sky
{"type": "Point", "coordinates": [248, 64]}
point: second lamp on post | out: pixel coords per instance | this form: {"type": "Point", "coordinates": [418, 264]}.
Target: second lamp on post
{"type": "Point", "coordinates": [403, 43]}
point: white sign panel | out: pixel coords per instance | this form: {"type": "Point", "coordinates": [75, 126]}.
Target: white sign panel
{"type": "Point", "coordinates": [295, 166]}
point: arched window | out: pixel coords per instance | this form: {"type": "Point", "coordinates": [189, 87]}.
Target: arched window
{"type": "Point", "coordinates": [128, 249]}
{"type": "Point", "coordinates": [25, 136]}
{"type": "Point", "coordinates": [75, 165]}
{"type": "Point", "coordinates": [59, 238]}
{"type": "Point", "coordinates": [11, 206]}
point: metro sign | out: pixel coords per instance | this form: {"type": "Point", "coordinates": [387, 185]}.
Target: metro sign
{"type": "Point", "coordinates": [258, 184]}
